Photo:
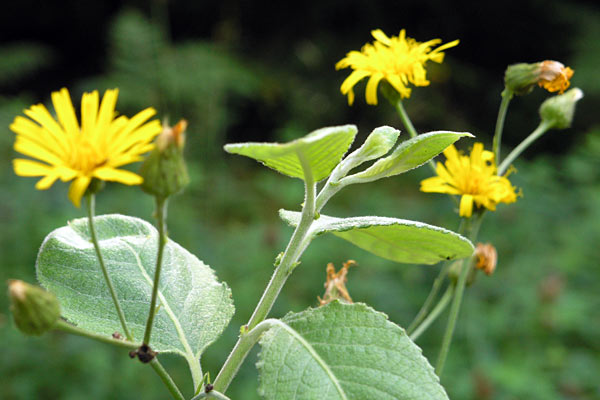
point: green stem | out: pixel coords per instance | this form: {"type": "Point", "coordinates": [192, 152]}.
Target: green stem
{"type": "Point", "coordinates": [435, 288]}
{"type": "Point", "coordinates": [74, 330]}
{"type": "Point", "coordinates": [506, 98]}
{"type": "Point", "coordinates": [287, 263]}
{"type": "Point", "coordinates": [161, 220]}
{"type": "Point", "coordinates": [472, 229]}
{"type": "Point", "coordinates": [237, 356]}
{"type": "Point", "coordinates": [90, 202]}
{"type": "Point", "coordinates": [437, 310]}
{"type": "Point", "coordinates": [539, 131]}
{"type": "Point", "coordinates": [410, 127]}
{"type": "Point", "coordinates": [166, 378]}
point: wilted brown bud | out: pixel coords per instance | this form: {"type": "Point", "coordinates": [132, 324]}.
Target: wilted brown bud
{"type": "Point", "coordinates": [486, 257]}
{"type": "Point", "coordinates": [34, 309]}
{"type": "Point", "coordinates": [164, 170]}
{"type": "Point", "coordinates": [335, 285]}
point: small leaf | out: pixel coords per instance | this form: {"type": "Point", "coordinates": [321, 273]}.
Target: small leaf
{"type": "Point", "coordinates": [408, 155]}
{"type": "Point", "coordinates": [394, 239]}
{"type": "Point", "coordinates": [323, 149]}
{"type": "Point", "coordinates": [194, 307]}
{"type": "Point", "coordinates": [343, 351]}
{"type": "Point", "coordinates": [377, 144]}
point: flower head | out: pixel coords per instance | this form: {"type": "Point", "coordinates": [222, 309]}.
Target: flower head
{"type": "Point", "coordinates": [473, 177]}
{"type": "Point", "coordinates": [399, 60]}
{"type": "Point", "coordinates": [79, 153]}
{"type": "Point", "coordinates": [553, 76]}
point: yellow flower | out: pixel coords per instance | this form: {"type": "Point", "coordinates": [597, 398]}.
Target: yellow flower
{"type": "Point", "coordinates": [70, 152]}
{"type": "Point", "coordinates": [397, 59]}
{"type": "Point", "coordinates": [473, 177]}
{"type": "Point", "coordinates": [554, 76]}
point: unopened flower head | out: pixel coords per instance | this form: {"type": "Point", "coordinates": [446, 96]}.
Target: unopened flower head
{"type": "Point", "coordinates": [557, 112]}
{"type": "Point", "coordinates": [473, 177]}
{"type": "Point", "coordinates": [79, 153]}
{"type": "Point", "coordinates": [553, 76]}
{"type": "Point", "coordinates": [35, 310]}
{"type": "Point", "coordinates": [399, 60]}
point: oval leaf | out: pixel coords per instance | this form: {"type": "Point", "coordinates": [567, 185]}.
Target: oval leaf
{"type": "Point", "coordinates": [394, 239]}
{"type": "Point", "coordinates": [343, 351]}
{"type": "Point", "coordinates": [323, 149]}
{"type": "Point", "coordinates": [408, 155]}
{"type": "Point", "coordinates": [194, 307]}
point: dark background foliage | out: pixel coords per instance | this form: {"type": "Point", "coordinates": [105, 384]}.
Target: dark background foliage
{"type": "Point", "coordinates": [265, 71]}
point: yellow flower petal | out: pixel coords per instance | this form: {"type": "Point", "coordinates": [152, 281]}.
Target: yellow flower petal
{"type": "Point", "coordinates": [371, 91]}
{"type": "Point", "coordinates": [78, 188]}
{"type": "Point", "coordinates": [466, 205]}
{"type": "Point", "coordinates": [46, 182]}
{"type": "Point", "coordinates": [25, 167]}
{"type": "Point", "coordinates": [118, 175]}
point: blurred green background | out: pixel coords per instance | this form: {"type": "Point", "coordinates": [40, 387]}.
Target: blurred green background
{"type": "Point", "coordinates": [265, 71]}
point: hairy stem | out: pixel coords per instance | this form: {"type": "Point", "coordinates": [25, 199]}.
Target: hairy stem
{"type": "Point", "coordinates": [437, 310]}
{"type": "Point", "coordinates": [90, 202]}
{"type": "Point", "coordinates": [74, 330]}
{"type": "Point", "coordinates": [237, 356]}
{"type": "Point", "coordinates": [539, 131]}
{"type": "Point", "coordinates": [506, 98]}
{"type": "Point", "coordinates": [166, 378]}
{"type": "Point", "coordinates": [282, 271]}
{"type": "Point", "coordinates": [161, 221]}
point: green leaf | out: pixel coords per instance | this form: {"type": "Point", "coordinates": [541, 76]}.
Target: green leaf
{"type": "Point", "coordinates": [322, 149]}
{"type": "Point", "coordinates": [343, 351]}
{"type": "Point", "coordinates": [394, 239]}
{"type": "Point", "coordinates": [194, 307]}
{"type": "Point", "coordinates": [408, 155]}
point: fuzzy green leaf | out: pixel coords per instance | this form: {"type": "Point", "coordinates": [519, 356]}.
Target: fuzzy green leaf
{"type": "Point", "coordinates": [322, 149]}
{"type": "Point", "coordinates": [343, 351]}
{"type": "Point", "coordinates": [194, 307]}
{"type": "Point", "coordinates": [394, 239]}
{"type": "Point", "coordinates": [408, 155]}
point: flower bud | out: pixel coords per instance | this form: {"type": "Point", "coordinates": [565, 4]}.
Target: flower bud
{"type": "Point", "coordinates": [164, 170]}
{"type": "Point", "coordinates": [553, 76]}
{"type": "Point", "coordinates": [34, 309]}
{"type": "Point", "coordinates": [557, 112]}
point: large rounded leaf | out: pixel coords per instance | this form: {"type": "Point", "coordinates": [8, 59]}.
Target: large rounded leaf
{"type": "Point", "coordinates": [343, 351]}
{"type": "Point", "coordinates": [394, 239]}
{"type": "Point", "coordinates": [194, 307]}
{"type": "Point", "coordinates": [322, 150]}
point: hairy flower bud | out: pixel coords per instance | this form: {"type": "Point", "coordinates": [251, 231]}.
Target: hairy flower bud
{"type": "Point", "coordinates": [34, 309]}
{"type": "Point", "coordinates": [553, 76]}
{"type": "Point", "coordinates": [164, 170]}
{"type": "Point", "coordinates": [558, 111]}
